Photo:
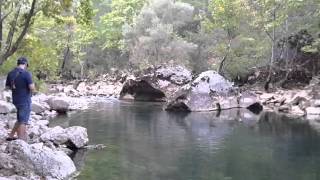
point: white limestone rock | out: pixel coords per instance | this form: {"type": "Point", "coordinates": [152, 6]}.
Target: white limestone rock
{"type": "Point", "coordinates": [40, 159]}
{"type": "Point", "coordinates": [59, 104]}
{"type": "Point", "coordinates": [75, 135]}
{"type": "Point", "coordinates": [6, 108]}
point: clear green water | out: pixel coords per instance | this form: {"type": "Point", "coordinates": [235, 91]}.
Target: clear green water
{"type": "Point", "coordinates": [146, 143]}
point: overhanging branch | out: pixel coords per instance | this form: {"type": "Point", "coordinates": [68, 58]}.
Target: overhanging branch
{"type": "Point", "coordinates": [26, 26]}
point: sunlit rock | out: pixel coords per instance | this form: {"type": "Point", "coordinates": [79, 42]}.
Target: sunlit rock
{"type": "Point", "coordinates": [56, 135]}
{"type": "Point", "coordinates": [296, 110]}
{"type": "Point", "coordinates": [74, 137]}
{"type": "Point", "coordinates": [38, 107]}
{"type": "Point", "coordinates": [6, 107]}
{"type": "Point", "coordinates": [313, 110]}
{"type": "Point", "coordinates": [58, 104]}
{"type": "Point", "coordinates": [298, 98]}
{"type": "Point", "coordinates": [77, 135]}
{"type": "Point", "coordinates": [39, 159]}
{"type": "Point", "coordinates": [315, 103]}
{"type": "Point", "coordinates": [210, 92]}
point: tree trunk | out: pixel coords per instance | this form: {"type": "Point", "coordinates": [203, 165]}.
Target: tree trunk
{"type": "Point", "coordinates": [272, 59]}
{"type": "Point", "coordinates": [66, 55]}
{"type": "Point", "coordinates": [222, 63]}
{"type": "Point", "coordinates": [10, 51]}
{"type": "Point", "coordinates": [1, 26]}
{"type": "Point", "coordinates": [282, 83]}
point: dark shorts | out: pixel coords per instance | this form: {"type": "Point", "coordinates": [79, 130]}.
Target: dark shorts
{"type": "Point", "coordinates": [23, 113]}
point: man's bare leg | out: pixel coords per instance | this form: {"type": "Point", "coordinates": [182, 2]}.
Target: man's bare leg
{"type": "Point", "coordinates": [14, 130]}
{"type": "Point", "coordinates": [22, 132]}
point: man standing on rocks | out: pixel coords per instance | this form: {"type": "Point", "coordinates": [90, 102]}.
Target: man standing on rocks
{"type": "Point", "coordinates": [19, 80]}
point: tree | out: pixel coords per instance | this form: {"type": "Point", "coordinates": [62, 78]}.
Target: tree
{"type": "Point", "coordinates": [58, 36]}
{"type": "Point", "coordinates": [278, 19]}
{"type": "Point", "coordinates": [225, 15]}
{"type": "Point", "coordinates": [123, 12]}
{"type": "Point", "coordinates": [18, 19]}
{"type": "Point", "coordinates": [154, 39]}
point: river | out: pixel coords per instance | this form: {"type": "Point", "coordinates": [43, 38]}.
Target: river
{"type": "Point", "coordinates": [146, 143]}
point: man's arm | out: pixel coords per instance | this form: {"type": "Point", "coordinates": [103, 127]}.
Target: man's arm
{"type": "Point", "coordinates": [32, 88]}
{"type": "Point", "coordinates": [30, 83]}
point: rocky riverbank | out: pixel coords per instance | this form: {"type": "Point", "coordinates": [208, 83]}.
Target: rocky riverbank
{"type": "Point", "coordinates": [208, 91]}
{"type": "Point", "coordinates": [183, 90]}
{"type": "Point", "coordinates": [303, 102]}
{"type": "Point", "coordinates": [46, 153]}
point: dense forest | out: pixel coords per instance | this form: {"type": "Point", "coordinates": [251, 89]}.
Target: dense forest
{"type": "Point", "coordinates": [280, 39]}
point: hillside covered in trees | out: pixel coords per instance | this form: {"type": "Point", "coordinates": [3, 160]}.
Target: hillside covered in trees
{"type": "Point", "coordinates": [277, 40]}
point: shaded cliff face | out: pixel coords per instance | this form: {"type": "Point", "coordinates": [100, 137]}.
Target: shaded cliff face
{"type": "Point", "coordinates": [156, 84]}
{"type": "Point", "coordinates": [142, 91]}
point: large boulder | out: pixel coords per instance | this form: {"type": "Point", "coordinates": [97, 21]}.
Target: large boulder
{"type": "Point", "coordinates": [74, 137]}
{"type": "Point", "coordinates": [38, 107]}
{"type": "Point", "coordinates": [156, 84]}
{"type": "Point", "coordinates": [40, 159]}
{"type": "Point", "coordinates": [6, 107]}
{"type": "Point", "coordinates": [210, 92]}
{"type": "Point", "coordinates": [77, 135]}
{"type": "Point", "coordinates": [6, 96]}
{"type": "Point", "coordinates": [59, 104]}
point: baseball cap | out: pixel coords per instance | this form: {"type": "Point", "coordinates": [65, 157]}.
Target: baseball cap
{"type": "Point", "coordinates": [22, 60]}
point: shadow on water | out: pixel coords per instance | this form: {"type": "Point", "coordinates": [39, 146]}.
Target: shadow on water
{"type": "Point", "coordinates": [145, 142]}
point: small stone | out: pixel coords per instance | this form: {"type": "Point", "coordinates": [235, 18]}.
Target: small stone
{"type": "Point", "coordinates": [284, 108]}
{"type": "Point", "coordinates": [316, 103]}
{"type": "Point", "coordinates": [297, 111]}
{"type": "Point", "coordinates": [267, 96]}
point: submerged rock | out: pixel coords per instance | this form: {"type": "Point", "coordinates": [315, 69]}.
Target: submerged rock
{"type": "Point", "coordinates": [156, 84]}
{"type": "Point", "coordinates": [210, 92]}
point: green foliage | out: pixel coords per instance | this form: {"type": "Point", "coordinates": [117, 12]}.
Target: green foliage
{"type": "Point", "coordinates": [66, 36]}
{"type": "Point", "coordinates": [86, 13]}
{"type": "Point", "coordinates": [123, 12]}
{"type": "Point", "coordinates": [39, 47]}
{"type": "Point", "coordinates": [314, 48]}
{"type": "Point", "coordinates": [153, 39]}
{"type": "Point", "coordinates": [226, 14]}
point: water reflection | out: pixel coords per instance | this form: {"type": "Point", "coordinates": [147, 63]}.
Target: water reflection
{"type": "Point", "coordinates": [145, 142]}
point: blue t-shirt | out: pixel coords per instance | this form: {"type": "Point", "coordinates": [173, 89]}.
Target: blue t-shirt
{"type": "Point", "coordinates": [19, 80]}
